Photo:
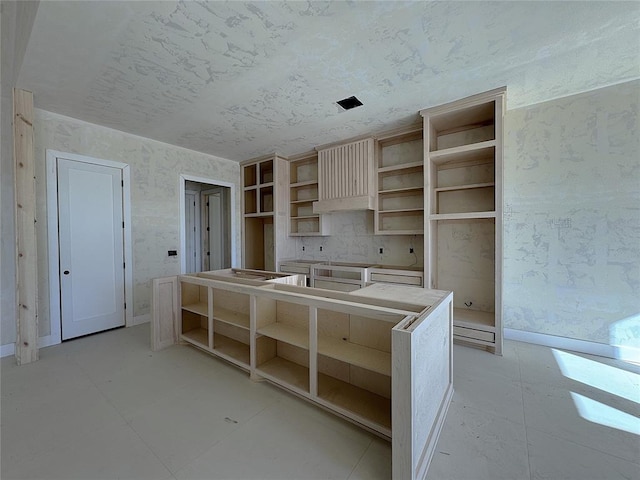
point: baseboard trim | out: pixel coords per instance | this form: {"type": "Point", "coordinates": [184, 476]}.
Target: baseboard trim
{"type": "Point", "coordinates": [7, 350]}
{"type": "Point", "coordinates": [140, 319]}
{"type": "Point", "coordinates": [627, 354]}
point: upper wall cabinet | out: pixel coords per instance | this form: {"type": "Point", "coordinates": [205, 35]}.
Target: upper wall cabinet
{"type": "Point", "coordinates": [346, 178]}
{"type": "Point", "coordinates": [400, 180]}
{"type": "Point", "coordinates": [303, 192]}
{"type": "Point", "coordinates": [463, 241]}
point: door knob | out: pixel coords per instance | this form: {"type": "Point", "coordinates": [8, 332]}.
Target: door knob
{"type": "Point", "coordinates": [66, 272]}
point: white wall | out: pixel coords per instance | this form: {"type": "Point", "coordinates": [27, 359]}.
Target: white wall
{"type": "Point", "coordinates": [572, 217]}
{"type": "Point", "coordinates": [155, 170]}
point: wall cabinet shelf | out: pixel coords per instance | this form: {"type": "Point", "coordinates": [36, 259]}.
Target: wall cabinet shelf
{"type": "Point", "coordinates": [303, 192]}
{"type": "Point", "coordinates": [463, 152]}
{"type": "Point", "coordinates": [400, 184]}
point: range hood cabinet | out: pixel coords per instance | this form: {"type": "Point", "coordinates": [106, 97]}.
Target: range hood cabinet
{"type": "Point", "coordinates": [346, 177]}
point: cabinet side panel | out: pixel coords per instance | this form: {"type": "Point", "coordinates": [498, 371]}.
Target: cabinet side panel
{"type": "Point", "coordinates": [164, 307]}
{"type": "Point", "coordinates": [401, 417]}
{"type": "Point", "coordinates": [431, 346]}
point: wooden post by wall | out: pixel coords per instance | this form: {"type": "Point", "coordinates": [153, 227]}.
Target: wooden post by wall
{"type": "Point", "coordinates": [25, 210]}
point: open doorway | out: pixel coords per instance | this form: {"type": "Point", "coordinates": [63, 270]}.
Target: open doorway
{"type": "Point", "coordinates": [206, 224]}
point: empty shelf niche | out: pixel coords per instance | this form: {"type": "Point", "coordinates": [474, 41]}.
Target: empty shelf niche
{"type": "Point", "coordinates": [231, 326]}
{"type": "Point", "coordinates": [282, 345]}
{"type": "Point", "coordinates": [466, 262]}
{"type": "Point", "coordinates": [466, 184]}
{"type": "Point", "coordinates": [463, 127]}
{"type": "Point", "coordinates": [259, 243]}
{"type": "Point", "coordinates": [194, 321]}
{"type": "Point", "coordinates": [354, 365]}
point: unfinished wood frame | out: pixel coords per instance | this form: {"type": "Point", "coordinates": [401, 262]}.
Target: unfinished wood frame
{"type": "Point", "coordinates": [463, 146]}
{"type": "Point", "coordinates": [26, 349]}
{"type": "Point", "coordinates": [335, 350]}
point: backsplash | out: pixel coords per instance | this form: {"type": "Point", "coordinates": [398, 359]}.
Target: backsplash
{"type": "Point", "coordinates": [352, 240]}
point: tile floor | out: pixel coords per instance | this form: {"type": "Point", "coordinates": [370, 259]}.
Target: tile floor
{"type": "Point", "coordinates": [106, 407]}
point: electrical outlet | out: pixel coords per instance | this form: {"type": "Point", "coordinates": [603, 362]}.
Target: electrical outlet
{"type": "Point", "coordinates": [410, 249]}
{"type": "Point", "coordinates": [303, 248]}
{"type": "Point", "coordinates": [320, 247]}
{"type": "Point", "coordinates": [381, 250]}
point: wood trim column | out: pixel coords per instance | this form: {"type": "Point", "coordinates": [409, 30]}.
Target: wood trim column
{"type": "Point", "coordinates": [26, 350]}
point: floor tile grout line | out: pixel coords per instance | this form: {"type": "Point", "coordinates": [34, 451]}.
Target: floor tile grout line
{"type": "Point", "coordinates": [585, 446]}
{"type": "Point", "coordinates": [524, 414]}
{"type": "Point", "coordinates": [360, 459]}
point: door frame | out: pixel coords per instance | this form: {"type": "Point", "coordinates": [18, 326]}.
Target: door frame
{"type": "Point", "coordinates": [197, 221]}
{"type": "Point", "coordinates": [55, 335]}
{"type": "Point", "coordinates": [232, 213]}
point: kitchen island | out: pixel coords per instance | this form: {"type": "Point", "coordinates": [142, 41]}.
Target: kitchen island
{"type": "Point", "coordinates": [379, 356]}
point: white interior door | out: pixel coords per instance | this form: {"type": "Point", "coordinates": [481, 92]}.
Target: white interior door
{"type": "Point", "coordinates": [91, 243]}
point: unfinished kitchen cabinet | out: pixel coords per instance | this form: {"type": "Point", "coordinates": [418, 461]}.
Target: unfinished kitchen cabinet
{"type": "Point", "coordinates": [282, 345]}
{"type": "Point", "coordinates": [366, 355]}
{"type": "Point", "coordinates": [264, 206]}
{"type": "Point", "coordinates": [346, 177]}
{"type": "Point", "coordinates": [463, 144]}
{"type": "Point", "coordinates": [195, 318]}
{"type": "Point", "coordinates": [400, 184]}
{"type": "Point", "coordinates": [303, 191]}
{"type": "Point", "coordinates": [354, 365]}
{"type": "Point", "coordinates": [343, 277]}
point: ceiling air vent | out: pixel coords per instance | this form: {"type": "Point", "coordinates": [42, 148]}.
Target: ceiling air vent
{"type": "Point", "coordinates": [349, 103]}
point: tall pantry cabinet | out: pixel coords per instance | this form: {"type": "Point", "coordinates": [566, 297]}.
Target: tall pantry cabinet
{"type": "Point", "coordinates": [265, 210]}
{"type": "Point", "coordinates": [463, 144]}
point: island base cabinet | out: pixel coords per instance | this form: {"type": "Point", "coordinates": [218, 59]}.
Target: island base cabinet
{"type": "Point", "coordinates": [379, 357]}
{"type": "Point", "coordinates": [423, 351]}
{"type": "Point", "coordinates": [284, 364]}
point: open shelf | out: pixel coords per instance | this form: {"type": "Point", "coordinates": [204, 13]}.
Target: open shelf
{"type": "Point", "coordinates": [399, 168]}
{"type": "Point", "coordinates": [303, 184]}
{"type": "Point", "coordinates": [363, 403]}
{"type": "Point", "coordinates": [250, 175]}
{"type": "Point", "coordinates": [365, 357]}
{"type": "Point", "coordinates": [464, 154]}
{"type": "Point", "coordinates": [303, 191]}
{"type": "Point", "coordinates": [409, 222]}
{"type": "Point", "coordinates": [310, 201]}
{"type": "Point", "coordinates": [287, 333]}
{"type": "Point", "coordinates": [197, 336]}
{"type": "Point", "coordinates": [266, 171]}
{"type": "Point", "coordinates": [474, 319]}
{"type": "Point", "coordinates": [239, 319]}
{"type": "Point", "coordinates": [462, 216]}
{"type": "Point", "coordinates": [231, 349]}
{"type": "Point", "coordinates": [199, 308]}
{"type": "Point", "coordinates": [286, 373]}
{"type": "Point", "coordinates": [465, 187]}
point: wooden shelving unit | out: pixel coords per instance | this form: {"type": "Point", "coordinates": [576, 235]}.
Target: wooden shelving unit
{"type": "Point", "coordinates": [195, 325]}
{"type": "Point", "coordinates": [303, 191]}
{"type": "Point", "coordinates": [265, 199]}
{"type": "Point", "coordinates": [463, 242]}
{"type": "Point", "coordinates": [400, 184]}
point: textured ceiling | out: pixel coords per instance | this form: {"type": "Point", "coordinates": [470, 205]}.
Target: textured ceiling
{"type": "Point", "coordinates": [239, 79]}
